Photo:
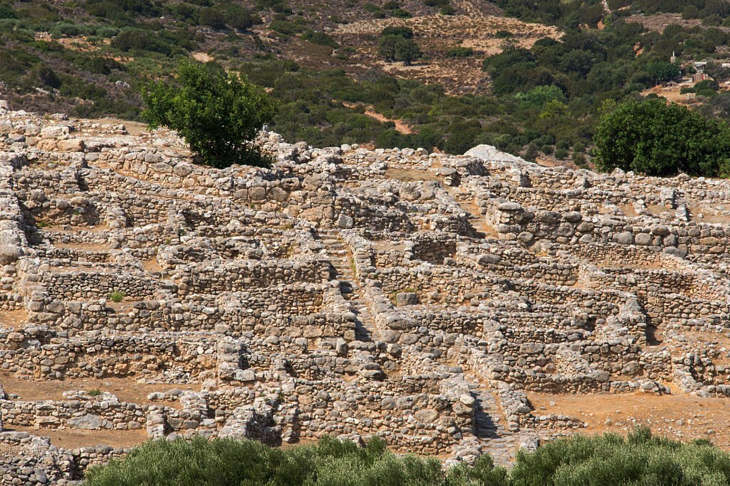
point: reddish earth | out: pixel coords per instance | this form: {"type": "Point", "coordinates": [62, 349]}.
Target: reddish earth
{"type": "Point", "coordinates": [675, 416]}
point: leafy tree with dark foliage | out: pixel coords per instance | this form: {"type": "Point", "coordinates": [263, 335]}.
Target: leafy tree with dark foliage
{"type": "Point", "coordinates": [217, 114]}
{"type": "Point", "coordinates": [656, 138]}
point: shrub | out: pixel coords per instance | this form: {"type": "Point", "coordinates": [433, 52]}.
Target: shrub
{"type": "Point", "coordinates": [225, 461]}
{"type": "Point", "coordinates": [285, 27]}
{"type": "Point", "coordinates": [540, 95]}
{"type": "Point", "coordinates": [654, 138]}
{"type": "Point", "coordinates": [561, 154]}
{"type": "Point", "coordinates": [611, 459]}
{"type": "Point", "coordinates": [579, 159]}
{"type": "Point", "coordinates": [397, 48]}
{"type": "Point", "coordinates": [94, 392]}
{"type": "Point", "coordinates": [47, 76]}
{"type": "Point", "coordinates": [117, 296]}
{"type": "Point", "coordinates": [239, 18]}
{"type": "Point", "coordinates": [405, 32]}
{"type": "Point", "coordinates": [320, 38]}
{"type": "Point", "coordinates": [460, 52]}
{"type": "Point", "coordinates": [639, 459]}
{"type": "Point", "coordinates": [217, 114]}
{"type": "Point", "coordinates": [707, 84]}
{"type": "Point", "coordinates": [6, 12]}
{"type": "Point", "coordinates": [212, 18]}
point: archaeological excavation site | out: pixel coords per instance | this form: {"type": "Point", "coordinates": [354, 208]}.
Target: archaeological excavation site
{"type": "Point", "coordinates": [451, 305]}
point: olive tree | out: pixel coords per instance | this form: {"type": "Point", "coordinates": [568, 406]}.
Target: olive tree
{"type": "Point", "coordinates": [217, 114]}
{"type": "Point", "coordinates": [656, 138]}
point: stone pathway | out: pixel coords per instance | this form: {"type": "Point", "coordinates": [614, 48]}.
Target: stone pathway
{"type": "Point", "coordinates": [349, 285]}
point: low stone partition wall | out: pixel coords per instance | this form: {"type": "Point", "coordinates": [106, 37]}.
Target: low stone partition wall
{"type": "Point", "coordinates": [96, 285]}
{"type": "Point", "coordinates": [658, 281]}
{"type": "Point", "coordinates": [34, 354]}
{"type": "Point", "coordinates": [263, 311]}
{"type": "Point", "coordinates": [678, 308]}
{"type": "Point", "coordinates": [428, 423]}
{"type": "Point", "coordinates": [551, 273]}
{"type": "Point", "coordinates": [38, 462]}
{"type": "Point", "coordinates": [84, 414]}
{"type": "Point", "coordinates": [514, 221]}
{"type": "Point", "coordinates": [450, 285]}
{"type": "Point", "coordinates": [449, 321]}
{"type": "Point", "coordinates": [599, 303]}
{"type": "Point", "coordinates": [432, 247]}
{"type": "Point", "coordinates": [614, 255]}
{"type": "Point", "coordinates": [239, 276]}
{"type": "Point", "coordinates": [68, 256]}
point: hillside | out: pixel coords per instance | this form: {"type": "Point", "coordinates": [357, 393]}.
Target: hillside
{"type": "Point", "coordinates": [452, 305]}
{"type": "Point", "coordinates": [481, 78]}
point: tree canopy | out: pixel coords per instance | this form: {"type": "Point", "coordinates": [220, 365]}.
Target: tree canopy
{"type": "Point", "coordinates": [217, 114]}
{"type": "Point", "coordinates": [656, 138]}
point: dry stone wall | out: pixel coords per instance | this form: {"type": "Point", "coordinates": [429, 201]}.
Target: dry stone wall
{"type": "Point", "coordinates": [418, 297]}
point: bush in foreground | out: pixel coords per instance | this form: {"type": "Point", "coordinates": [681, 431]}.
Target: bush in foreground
{"type": "Point", "coordinates": [607, 460]}
{"type": "Point", "coordinates": [331, 462]}
{"type": "Point", "coordinates": [218, 114]}
{"type": "Point", "coordinates": [640, 459]}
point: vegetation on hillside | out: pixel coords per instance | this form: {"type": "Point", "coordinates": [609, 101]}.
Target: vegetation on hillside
{"type": "Point", "coordinates": [639, 459]}
{"type": "Point", "coordinates": [97, 55]}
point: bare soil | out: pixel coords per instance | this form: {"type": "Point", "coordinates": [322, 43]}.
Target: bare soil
{"type": "Point", "coordinates": [126, 389]}
{"type": "Point", "coordinates": [675, 416]}
{"type": "Point", "coordinates": [13, 318]}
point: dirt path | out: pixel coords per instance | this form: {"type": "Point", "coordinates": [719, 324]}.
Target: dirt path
{"type": "Point", "coordinates": [400, 125]}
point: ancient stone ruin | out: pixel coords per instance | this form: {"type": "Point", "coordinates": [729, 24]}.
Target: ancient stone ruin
{"type": "Point", "coordinates": [420, 297]}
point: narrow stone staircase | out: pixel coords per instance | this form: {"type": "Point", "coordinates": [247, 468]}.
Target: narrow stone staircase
{"type": "Point", "coordinates": [344, 272]}
{"type": "Point", "coordinates": [486, 415]}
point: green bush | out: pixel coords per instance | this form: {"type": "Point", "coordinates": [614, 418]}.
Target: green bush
{"type": "Point", "coordinates": [224, 462]}
{"type": "Point", "coordinates": [640, 459]}
{"type": "Point", "coordinates": [561, 154]}
{"type": "Point", "coordinates": [47, 76]}
{"type": "Point", "coordinates": [217, 114]}
{"type": "Point", "coordinates": [607, 460]}
{"type": "Point", "coordinates": [405, 32]}
{"type": "Point", "coordinates": [320, 38]}
{"type": "Point", "coordinates": [397, 48]}
{"type": "Point", "coordinates": [654, 138]}
{"type": "Point", "coordinates": [460, 52]}
{"type": "Point", "coordinates": [117, 296]}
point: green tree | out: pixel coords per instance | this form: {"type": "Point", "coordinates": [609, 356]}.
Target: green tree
{"type": "Point", "coordinates": [663, 71]}
{"type": "Point", "coordinates": [538, 96]}
{"type": "Point", "coordinates": [654, 138]}
{"type": "Point", "coordinates": [212, 18]}
{"type": "Point", "coordinates": [218, 115]}
{"type": "Point", "coordinates": [397, 48]}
